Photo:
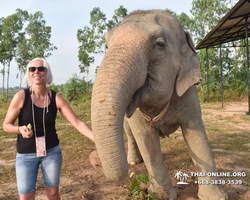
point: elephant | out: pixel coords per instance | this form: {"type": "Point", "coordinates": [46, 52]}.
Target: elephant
{"type": "Point", "coordinates": [147, 81]}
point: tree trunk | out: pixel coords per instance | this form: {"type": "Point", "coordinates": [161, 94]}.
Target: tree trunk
{"type": "Point", "coordinates": [3, 79]}
{"type": "Point", "coordinates": [8, 76]}
{"type": "Point", "coordinates": [20, 84]}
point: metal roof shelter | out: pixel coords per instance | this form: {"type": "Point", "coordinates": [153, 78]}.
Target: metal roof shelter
{"type": "Point", "coordinates": [235, 25]}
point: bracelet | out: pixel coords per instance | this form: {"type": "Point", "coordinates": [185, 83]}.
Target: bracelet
{"type": "Point", "coordinates": [18, 131]}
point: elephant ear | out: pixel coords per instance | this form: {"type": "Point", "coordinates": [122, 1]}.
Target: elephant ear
{"type": "Point", "coordinates": [189, 73]}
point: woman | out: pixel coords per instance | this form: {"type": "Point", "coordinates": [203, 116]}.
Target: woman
{"type": "Point", "coordinates": [38, 105]}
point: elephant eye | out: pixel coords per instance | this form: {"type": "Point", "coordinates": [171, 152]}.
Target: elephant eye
{"type": "Point", "coordinates": [159, 44]}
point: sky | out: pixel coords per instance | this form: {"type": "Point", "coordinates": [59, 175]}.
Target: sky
{"type": "Point", "coordinates": [66, 17]}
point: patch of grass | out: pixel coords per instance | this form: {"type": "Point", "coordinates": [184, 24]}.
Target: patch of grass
{"type": "Point", "coordinates": [214, 106]}
{"type": "Point", "coordinates": [231, 142]}
{"type": "Point", "coordinates": [7, 174]}
{"type": "Point", "coordinates": [7, 157]}
{"type": "Point", "coordinates": [245, 117]}
{"type": "Point", "coordinates": [219, 117]}
{"type": "Point", "coordinates": [236, 142]}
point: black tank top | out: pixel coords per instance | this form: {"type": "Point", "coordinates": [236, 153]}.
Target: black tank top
{"type": "Point", "coordinates": [28, 145]}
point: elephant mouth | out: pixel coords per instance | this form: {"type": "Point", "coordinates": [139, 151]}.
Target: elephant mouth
{"type": "Point", "coordinates": [130, 109]}
{"type": "Point", "coordinates": [136, 100]}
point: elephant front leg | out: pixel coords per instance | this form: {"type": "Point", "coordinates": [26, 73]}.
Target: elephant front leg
{"type": "Point", "coordinates": [160, 182]}
{"type": "Point", "coordinates": [134, 155]}
{"type": "Point", "coordinates": [200, 151]}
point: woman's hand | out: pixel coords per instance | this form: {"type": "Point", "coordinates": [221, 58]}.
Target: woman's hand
{"type": "Point", "coordinates": [25, 131]}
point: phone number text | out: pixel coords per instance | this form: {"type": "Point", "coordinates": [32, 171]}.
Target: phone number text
{"type": "Point", "coordinates": [219, 182]}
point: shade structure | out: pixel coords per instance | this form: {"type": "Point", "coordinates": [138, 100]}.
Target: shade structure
{"type": "Point", "coordinates": [230, 28]}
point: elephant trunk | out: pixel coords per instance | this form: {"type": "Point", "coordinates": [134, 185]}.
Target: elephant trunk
{"type": "Point", "coordinates": [118, 77]}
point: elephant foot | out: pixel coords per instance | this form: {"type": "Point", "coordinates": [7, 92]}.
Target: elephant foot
{"type": "Point", "coordinates": [164, 195]}
{"type": "Point", "coordinates": [212, 192]}
{"type": "Point", "coordinates": [134, 159]}
{"type": "Point", "coordinates": [95, 160]}
{"type": "Point", "coordinates": [134, 162]}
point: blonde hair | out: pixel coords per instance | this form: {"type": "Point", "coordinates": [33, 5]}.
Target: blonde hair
{"type": "Point", "coordinates": [48, 77]}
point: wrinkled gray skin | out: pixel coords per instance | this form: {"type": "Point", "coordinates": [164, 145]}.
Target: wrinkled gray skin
{"type": "Point", "coordinates": [149, 61]}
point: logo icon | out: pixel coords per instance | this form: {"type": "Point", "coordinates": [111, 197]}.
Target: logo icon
{"type": "Point", "coordinates": [181, 176]}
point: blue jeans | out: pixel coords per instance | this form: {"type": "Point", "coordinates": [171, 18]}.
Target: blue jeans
{"type": "Point", "coordinates": [27, 165]}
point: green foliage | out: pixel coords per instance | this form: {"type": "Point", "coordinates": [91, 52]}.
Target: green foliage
{"type": "Point", "coordinates": [23, 43]}
{"type": "Point", "coordinates": [39, 34]}
{"type": "Point", "coordinates": [135, 187]}
{"type": "Point", "coordinates": [187, 23]}
{"type": "Point", "coordinates": [229, 95]}
{"type": "Point", "coordinates": [229, 71]}
{"type": "Point", "coordinates": [1, 98]}
{"type": "Point", "coordinates": [85, 37]}
{"type": "Point", "coordinates": [74, 88]}
{"type": "Point", "coordinates": [117, 18]}
{"type": "Point", "coordinates": [57, 88]}
{"type": "Point", "coordinates": [92, 39]}
{"type": "Point", "coordinates": [54, 87]}
{"type": "Point", "coordinates": [11, 35]}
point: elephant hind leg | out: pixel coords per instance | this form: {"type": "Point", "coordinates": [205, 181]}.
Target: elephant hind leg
{"type": "Point", "coordinates": [134, 155]}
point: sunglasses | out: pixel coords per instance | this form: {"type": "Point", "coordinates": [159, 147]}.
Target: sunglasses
{"type": "Point", "coordinates": [40, 69]}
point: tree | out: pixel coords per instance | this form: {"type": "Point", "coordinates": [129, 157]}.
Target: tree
{"type": "Point", "coordinates": [35, 42]}
{"type": "Point", "coordinates": [22, 50]}
{"type": "Point", "coordinates": [3, 55]}
{"type": "Point", "coordinates": [92, 39]}
{"type": "Point", "coordinates": [173, 13]}
{"type": "Point", "coordinates": [187, 23]}
{"type": "Point", "coordinates": [74, 88]}
{"type": "Point", "coordinates": [207, 14]}
{"type": "Point", "coordinates": [22, 57]}
{"type": "Point", "coordinates": [11, 34]}
{"type": "Point", "coordinates": [23, 43]}
{"type": "Point", "coordinates": [39, 36]}
{"type": "Point", "coordinates": [178, 174]}
{"type": "Point", "coordinates": [117, 18]}
{"type": "Point", "coordinates": [87, 46]}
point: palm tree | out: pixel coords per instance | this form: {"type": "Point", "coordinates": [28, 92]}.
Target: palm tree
{"type": "Point", "coordinates": [185, 176]}
{"type": "Point", "coordinates": [178, 175]}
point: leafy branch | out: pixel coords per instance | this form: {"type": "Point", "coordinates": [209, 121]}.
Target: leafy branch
{"type": "Point", "coordinates": [136, 192]}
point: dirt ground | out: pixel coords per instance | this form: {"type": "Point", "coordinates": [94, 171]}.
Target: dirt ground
{"type": "Point", "coordinates": [88, 183]}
